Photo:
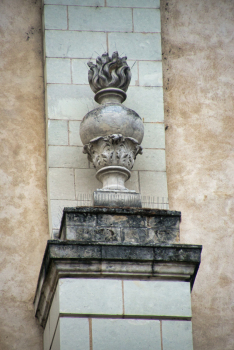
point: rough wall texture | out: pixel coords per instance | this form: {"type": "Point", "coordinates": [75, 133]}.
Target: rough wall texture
{"type": "Point", "coordinates": [198, 51]}
{"type": "Point", "coordinates": [23, 212]}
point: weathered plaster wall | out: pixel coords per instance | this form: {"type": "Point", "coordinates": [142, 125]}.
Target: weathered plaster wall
{"type": "Point", "coordinates": [198, 51]}
{"type": "Point", "coordinates": [23, 212]}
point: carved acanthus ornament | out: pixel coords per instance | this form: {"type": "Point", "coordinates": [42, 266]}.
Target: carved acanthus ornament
{"type": "Point", "coordinates": [113, 150]}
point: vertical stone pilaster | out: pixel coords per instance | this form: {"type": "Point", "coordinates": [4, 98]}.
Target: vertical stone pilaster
{"type": "Point", "coordinates": [74, 32]}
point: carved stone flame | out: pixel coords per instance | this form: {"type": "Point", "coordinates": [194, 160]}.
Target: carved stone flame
{"type": "Point", "coordinates": [109, 72]}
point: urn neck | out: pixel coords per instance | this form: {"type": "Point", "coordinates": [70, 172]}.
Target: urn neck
{"type": "Point", "coordinates": [110, 95]}
{"type": "Point", "coordinates": [113, 177]}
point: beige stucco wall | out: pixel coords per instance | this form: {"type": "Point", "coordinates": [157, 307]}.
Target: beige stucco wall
{"type": "Point", "coordinates": [23, 212]}
{"type": "Point", "coordinates": [198, 90]}
{"type": "Point", "coordinates": [198, 51]}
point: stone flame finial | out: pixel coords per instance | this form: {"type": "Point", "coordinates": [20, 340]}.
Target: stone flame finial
{"type": "Point", "coordinates": [109, 72]}
{"type": "Point", "coordinates": [112, 133]}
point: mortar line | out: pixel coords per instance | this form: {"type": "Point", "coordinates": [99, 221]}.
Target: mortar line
{"type": "Point", "coordinates": [123, 296]}
{"type": "Point", "coordinates": [132, 22]}
{"type": "Point", "coordinates": [107, 43]}
{"type": "Point", "coordinates": [68, 132]}
{"type": "Point", "coordinates": [139, 181]}
{"type": "Point", "coordinates": [138, 72]}
{"type": "Point", "coordinates": [67, 19]}
{"type": "Point", "coordinates": [74, 177]}
{"type": "Point", "coordinates": [161, 335]}
{"type": "Point", "coordinates": [90, 335]}
{"type": "Point", "coordinates": [71, 70]}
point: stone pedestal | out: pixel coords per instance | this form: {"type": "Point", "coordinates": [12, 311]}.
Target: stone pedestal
{"type": "Point", "coordinates": [109, 284]}
{"type": "Point", "coordinates": [118, 199]}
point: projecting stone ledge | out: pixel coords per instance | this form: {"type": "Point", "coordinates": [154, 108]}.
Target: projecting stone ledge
{"type": "Point", "coordinates": [120, 225]}
{"type": "Point", "coordinates": [72, 259]}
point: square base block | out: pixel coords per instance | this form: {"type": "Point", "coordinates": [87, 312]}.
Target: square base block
{"type": "Point", "coordinates": [119, 199]}
{"type": "Point", "coordinates": [120, 225]}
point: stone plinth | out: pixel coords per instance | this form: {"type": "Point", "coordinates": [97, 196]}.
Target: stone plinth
{"type": "Point", "coordinates": [120, 225]}
{"type": "Point", "coordinates": [119, 296]}
{"type": "Point", "coordinates": [118, 199]}
{"type": "Point", "coordinates": [117, 280]}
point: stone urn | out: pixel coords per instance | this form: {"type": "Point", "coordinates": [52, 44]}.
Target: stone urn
{"type": "Point", "coordinates": [111, 133]}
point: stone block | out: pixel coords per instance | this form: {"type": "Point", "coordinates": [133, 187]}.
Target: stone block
{"type": "Point", "coordinates": [154, 136]}
{"type": "Point", "coordinates": [90, 296]}
{"type": "Point", "coordinates": [61, 183]}
{"type": "Point", "coordinates": [147, 102]}
{"type": "Point", "coordinates": [93, 234]}
{"type": "Point", "coordinates": [157, 298]}
{"type": "Point", "coordinates": [80, 219]}
{"type": "Point", "coordinates": [145, 236]}
{"type": "Point", "coordinates": [134, 70]}
{"type": "Point", "coordinates": [56, 208]}
{"type": "Point", "coordinates": [58, 70]}
{"type": "Point", "coordinates": [136, 46]}
{"type": "Point", "coordinates": [77, 251]}
{"type": "Point", "coordinates": [184, 253]}
{"type": "Point", "coordinates": [171, 222]}
{"type": "Point", "coordinates": [80, 71]}
{"type": "Point", "coordinates": [177, 335]}
{"type": "Point", "coordinates": [164, 229]}
{"type": "Point", "coordinates": [74, 333]}
{"type": "Point", "coordinates": [55, 17]}
{"type": "Point", "coordinates": [150, 74]}
{"type": "Point", "coordinates": [100, 19]}
{"type": "Point", "coordinates": [69, 101]}
{"type": "Point", "coordinates": [133, 182]}
{"type": "Point", "coordinates": [74, 44]}
{"type": "Point", "coordinates": [127, 252]}
{"type": "Point", "coordinates": [124, 267]}
{"type": "Point", "coordinates": [137, 226]}
{"type": "Point", "coordinates": [146, 20]}
{"type": "Point", "coordinates": [67, 157]}
{"type": "Point", "coordinates": [122, 334]}
{"type": "Point", "coordinates": [77, 2]}
{"type": "Point", "coordinates": [85, 181]}
{"type": "Point", "coordinates": [133, 3]}
{"type": "Point", "coordinates": [116, 199]}
{"type": "Point", "coordinates": [57, 132]}
{"type": "Point", "coordinates": [54, 316]}
{"type": "Point", "coordinates": [74, 134]}
{"type": "Point", "coordinates": [154, 184]}
{"type": "Point", "coordinates": [134, 235]}
{"type": "Point", "coordinates": [152, 159]}
{"type": "Point", "coordinates": [162, 235]}
{"type": "Point", "coordinates": [56, 340]}
{"type": "Point", "coordinates": [46, 335]}
{"type": "Point", "coordinates": [121, 220]}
